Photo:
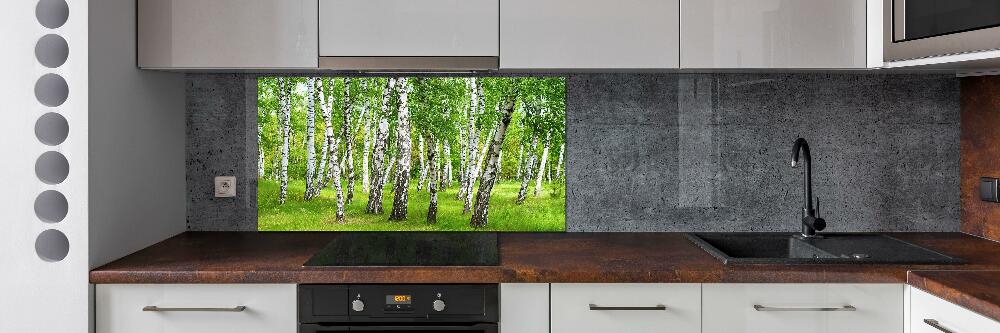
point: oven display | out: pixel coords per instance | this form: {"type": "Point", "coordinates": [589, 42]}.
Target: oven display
{"type": "Point", "coordinates": [398, 299]}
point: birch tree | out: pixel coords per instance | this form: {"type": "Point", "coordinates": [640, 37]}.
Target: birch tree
{"type": "Point", "coordinates": [480, 216]}
{"type": "Point", "coordinates": [541, 166]}
{"type": "Point", "coordinates": [423, 163]}
{"type": "Point", "coordinates": [286, 128]}
{"type": "Point", "coordinates": [348, 140]}
{"type": "Point", "coordinates": [367, 137]}
{"type": "Point", "coordinates": [447, 164]}
{"type": "Point", "coordinates": [559, 166]}
{"type": "Point", "coordinates": [405, 146]}
{"type": "Point", "coordinates": [310, 136]}
{"type": "Point", "coordinates": [379, 152]}
{"type": "Point", "coordinates": [523, 193]}
{"type": "Point", "coordinates": [432, 206]}
{"type": "Point", "coordinates": [473, 146]}
{"type": "Point", "coordinates": [324, 173]}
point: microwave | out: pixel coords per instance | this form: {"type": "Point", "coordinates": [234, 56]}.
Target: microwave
{"type": "Point", "coordinates": [917, 29]}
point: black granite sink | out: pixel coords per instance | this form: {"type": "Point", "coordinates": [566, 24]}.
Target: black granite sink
{"type": "Point", "coordinates": [836, 248]}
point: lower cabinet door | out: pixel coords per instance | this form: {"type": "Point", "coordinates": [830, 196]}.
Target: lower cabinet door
{"type": "Point", "coordinates": [803, 308]}
{"type": "Point", "coordinates": [634, 308]}
{"type": "Point", "coordinates": [930, 314]}
{"type": "Point", "coordinates": [195, 308]}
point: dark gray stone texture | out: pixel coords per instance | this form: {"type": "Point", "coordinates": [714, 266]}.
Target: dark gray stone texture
{"type": "Point", "coordinates": [683, 152]}
{"type": "Point", "coordinates": [221, 141]}
{"type": "Point", "coordinates": [712, 152]}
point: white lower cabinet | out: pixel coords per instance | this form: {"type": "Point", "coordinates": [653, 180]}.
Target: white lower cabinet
{"type": "Point", "coordinates": [930, 314]}
{"type": "Point", "coordinates": [635, 308]}
{"type": "Point", "coordinates": [524, 308]}
{"type": "Point", "coordinates": [196, 308]}
{"type": "Point", "coordinates": [803, 308]}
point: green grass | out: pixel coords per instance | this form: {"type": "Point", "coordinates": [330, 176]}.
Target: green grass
{"type": "Point", "coordinates": [547, 212]}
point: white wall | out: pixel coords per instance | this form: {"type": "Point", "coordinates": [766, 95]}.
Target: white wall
{"type": "Point", "coordinates": [137, 186]}
{"type": "Point", "coordinates": [40, 295]}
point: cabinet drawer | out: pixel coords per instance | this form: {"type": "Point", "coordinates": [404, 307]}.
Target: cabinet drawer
{"type": "Point", "coordinates": [268, 308]}
{"type": "Point", "coordinates": [948, 316]}
{"type": "Point", "coordinates": [803, 308]}
{"type": "Point", "coordinates": [636, 308]}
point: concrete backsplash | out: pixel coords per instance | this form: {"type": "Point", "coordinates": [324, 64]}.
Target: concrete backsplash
{"type": "Point", "coordinates": [683, 152]}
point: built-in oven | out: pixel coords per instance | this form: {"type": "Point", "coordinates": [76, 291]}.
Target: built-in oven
{"type": "Point", "coordinates": [412, 308]}
{"type": "Point", "coordinates": [916, 29]}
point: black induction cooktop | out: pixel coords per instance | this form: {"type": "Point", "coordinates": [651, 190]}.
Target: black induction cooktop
{"type": "Point", "coordinates": [409, 249]}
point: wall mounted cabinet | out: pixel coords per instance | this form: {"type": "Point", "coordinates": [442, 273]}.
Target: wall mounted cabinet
{"type": "Point", "coordinates": [589, 34]}
{"type": "Point", "coordinates": [227, 34]}
{"type": "Point", "coordinates": [356, 31]}
{"type": "Point", "coordinates": [775, 34]}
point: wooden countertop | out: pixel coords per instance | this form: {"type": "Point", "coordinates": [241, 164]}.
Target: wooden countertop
{"type": "Point", "coordinates": [978, 291]}
{"type": "Point", "coordinates": [277, 257]}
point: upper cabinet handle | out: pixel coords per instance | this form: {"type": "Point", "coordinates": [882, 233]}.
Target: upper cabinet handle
{"type": "Point", "coordinates": [935, 324]}
{"type": "Point", "coordinates": [658, 307]}
{"type": "Point", "coordinates": [759, 307]}
{"type": "Point", "coordinates": [154, 308]}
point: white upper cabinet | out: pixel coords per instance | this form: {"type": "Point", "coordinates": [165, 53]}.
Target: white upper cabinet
{"type": "Point", "coordinates": [776, 34]}
{"type": "Point", "coordinates": [409, 28]}
{"type": "Point", "coordinates": [589, 34]}
{"type": "Point", "coordinates": [195, 34]}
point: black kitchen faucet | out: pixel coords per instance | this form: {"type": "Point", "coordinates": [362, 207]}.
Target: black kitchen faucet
{"type": "Point", "coordinates": [811, 223]}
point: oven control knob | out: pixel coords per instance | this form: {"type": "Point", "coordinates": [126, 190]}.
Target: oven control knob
{"type": "Point", "coordinates": [358, 305]}
{"type": "Point", "coordinates": [438, 305]}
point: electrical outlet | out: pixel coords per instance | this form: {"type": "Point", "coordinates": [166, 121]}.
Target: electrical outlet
{"type": "Point", "coordinates": [225, 186]}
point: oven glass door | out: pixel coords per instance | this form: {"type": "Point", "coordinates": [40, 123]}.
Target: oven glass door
{"type": "Point", "coordinates": [916, 19]}
{"type": "Point", "coordinates": [476, 328]}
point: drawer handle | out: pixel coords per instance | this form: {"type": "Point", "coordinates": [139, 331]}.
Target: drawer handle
{"type": "Point", "coordinates": [659, 307]}
{"type": "Point", "coordinates": [154, 308]}
{"type": "Point", "coordinates": [935, 324]}
{"type": "Point", "coordinates": [759, 307]}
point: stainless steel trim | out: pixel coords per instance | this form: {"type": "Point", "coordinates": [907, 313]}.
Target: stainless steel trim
{"type": "Point", "coordinates": [154, 308]}
{"type": "Point", "coordinates": [762, 308]}
{"type": "Point", "coordinates": [958, 43]}
{"type": "Point", "coordinates": [415, 64]}
{"type": "Point", "coordinates": [935, 324]}
{"type": "Point", "coordinates": [658, 307]}
{"type": "Point", "coordinates": [898, 20]}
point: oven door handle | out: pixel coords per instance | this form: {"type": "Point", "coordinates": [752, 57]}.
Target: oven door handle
{"type": "Point", "coordinates": [486, 328]}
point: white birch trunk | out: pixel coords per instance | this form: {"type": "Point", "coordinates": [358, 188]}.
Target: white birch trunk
{"type": "Point", "coordinates": [432, 185]}
{"type": "Point", "coordinates": [405, 146]}
{"type": "Point", "coordinates": [423, 163]}
{"type": "Point", "coordinates": [348, 140]}
{"type": "Point", "coordinates": [461, 162]}
{"type": "Point", "coordinates": [310, 135]}
{"type": "Point", "coordinates": [473, 147]}
{"type": "Point", "coordinates": [336, 181]}
{"type": "Point", "coordinates": [447, 165]}
{"type": "Point", "coordinates": [323, 173]}
{"type": "Point", "coordinates": [480, 216]}
{"type": "Point", "coordinates": [541, 166]}
{"type": "Point", "coordinates": [260, 151]}
{"type": "Point", "coordinates": [286, 114]}
{"type": "Point", "coordinates": [520, 160]}
{"type": "Point", "coordinates": [530, 164]}
{"type": "Point", "coordinates": [379, 151]}
{"type": "Point", "coordinates": [366, 150]}
{"type": "Point", "coordinates": [559, 166]}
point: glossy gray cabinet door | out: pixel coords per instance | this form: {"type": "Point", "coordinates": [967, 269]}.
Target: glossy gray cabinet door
{"type": "Point", "coordinates": [222, 34]}
{"type": "Point", "coordinates": [773, 34]}
{"type": "Point", "coordinates": [589, 34]}
{"type": "Point", "coordinates": [409, 28]}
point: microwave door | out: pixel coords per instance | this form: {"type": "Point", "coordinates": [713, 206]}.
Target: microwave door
{"type": "Point", "coordinates": [916, 29]}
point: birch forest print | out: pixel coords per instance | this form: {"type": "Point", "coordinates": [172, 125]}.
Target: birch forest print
{"type": "Point", "coordinates": [411, 153]}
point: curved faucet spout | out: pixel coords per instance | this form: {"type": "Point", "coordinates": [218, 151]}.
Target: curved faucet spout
{"type": "Point", "coordinates": [810, 222]}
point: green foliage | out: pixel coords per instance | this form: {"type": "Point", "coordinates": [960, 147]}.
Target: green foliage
{"type": "Point", "coordinates": [439, 107]}
{"type": "Point", "coordinates": [538, 214]}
